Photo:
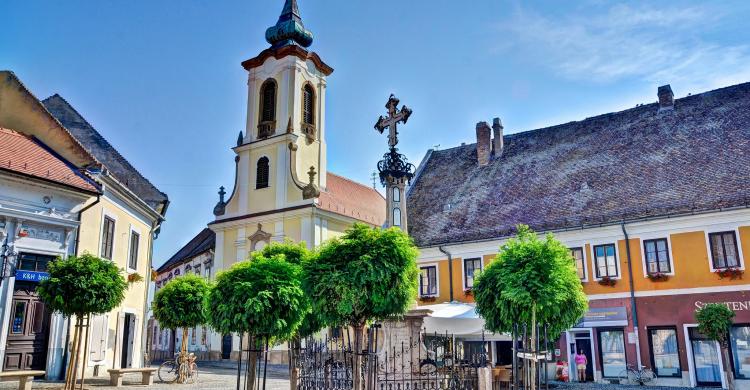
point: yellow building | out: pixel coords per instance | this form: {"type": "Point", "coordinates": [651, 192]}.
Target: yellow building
{"type": "Point", "coordinates": [653, 204]}
{"type": "Point", "coordinates": [283, 189]}
{"type": "Point", "coordinates": [118, 224]}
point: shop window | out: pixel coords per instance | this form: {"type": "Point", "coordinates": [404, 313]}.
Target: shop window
{"type": "Point", "coordinates": [605, 261]}
{"type": "Point", "coordinates": [740, 344]}
{"type": "Point", "coordinates": [657, 256]}
{"type": "Point", "coordinates": [472, 267]}
{"type": "Point", "coordinates": [577, 254]}
{"type": "Point", "coordinates": [665, 357]}
{"type": "Point", "coordinates": [428, 281]}
{"type": "Point", "coordinates": [612, 351]}
{"type": "Point", "coordinates": [724, 251]}
{"type": "Point", "coordinates": [32, 262]}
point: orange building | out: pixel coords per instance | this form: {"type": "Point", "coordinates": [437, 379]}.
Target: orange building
{"type": "Point", "coordinates": [654, 203]}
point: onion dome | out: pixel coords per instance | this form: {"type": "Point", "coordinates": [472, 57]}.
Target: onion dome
{"type": "Point", "coordinates": [289, 29]}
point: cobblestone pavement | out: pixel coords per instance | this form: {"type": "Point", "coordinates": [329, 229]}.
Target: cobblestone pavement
{"type": "Point", "coordinates": [211, 376]}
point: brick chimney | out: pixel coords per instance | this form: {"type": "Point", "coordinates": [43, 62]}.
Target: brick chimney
{"type": "Point", "coordinates": [497, 137]}
{"type": "Point", "coordinates": [666, 97]}
{"type": "Point", "coordinates": [483, 143]}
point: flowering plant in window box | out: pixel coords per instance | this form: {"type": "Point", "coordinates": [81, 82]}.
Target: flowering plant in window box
{"type": "Point", "coordinates": [730, 272]}
{"type": "Point", "coordinates": [607, 281]}
{"type": "Point", "coordinates": [154, 275]}
{"type": "Point", "coordinates": [658, 276]}
{"type": "Point", "coordinates": [468, 292]}
{"type": "Point", "coordinates": [427, 298]}
{"type": "Point", "coordinates": [134, 278]}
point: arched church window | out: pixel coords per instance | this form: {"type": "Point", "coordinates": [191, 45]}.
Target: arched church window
{"type": "Point", "coordinates": [262, 171]}
{"type": "Point", "coordinates": [267, 122]}
{"type": "Point", "coordinates": [308, 104]}
{"type": "Point", "coordinates": [396, 194]}
{"type": "Point", "coordinates": [397, 217]}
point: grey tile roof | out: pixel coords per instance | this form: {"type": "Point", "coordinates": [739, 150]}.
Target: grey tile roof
{"type": "Point", "coordinates": [626, 165]}
{"type": "Point", "coordinates": [103, 151]}
{"type": "Point", "coordinates": [202, 242]}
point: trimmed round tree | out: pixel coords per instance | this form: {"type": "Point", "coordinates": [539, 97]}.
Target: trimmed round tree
{"type": "Point", "coordinates": [182, 303]}
{"type": "Point", "coordinates": [532, 281]}
{"type": "Point", "coordinates": [715, 321]}
{"type": "Point", "coordinates": [80, 286]}
{"type": "Point", "coordinates": [262, 297]}
{"type": "Point", "coordinates": [366, 274]}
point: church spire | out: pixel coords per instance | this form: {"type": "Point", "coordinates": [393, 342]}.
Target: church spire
{"type": "Point", "coordinates": [289, 29]}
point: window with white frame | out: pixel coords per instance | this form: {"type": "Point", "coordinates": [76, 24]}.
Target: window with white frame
{"type": "Point", "coordinates": [428, 281]}
{"type": "Point", "coordinates": [108, 237]}
{"type": "Point", "coordinates": [472, 267]}
{"type": "Point", "coordinates": [656, 253]}
{"type": "Point", "coordinates": [739, 338]}
{"type": "Point", "coordinates": [724, 250]}
{"type": "Point", "coordinates": [580, 263]}
{"type": "Point", "coordinates": [133, 256]}
{"type": "Point", "coordinates": [605, 261]}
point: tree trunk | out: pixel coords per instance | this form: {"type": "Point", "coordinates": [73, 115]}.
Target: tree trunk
{"type": "Point", "coordinates": [70, 378]}
{"type": "Point", "coordinates": [357, 369]}
{"type": "Point", "coordinates": [533, 362]}
{"type": "Point", "coordinates": [727, 367]}
{"type": "Point", "coordinates": [252, 363]}
{"type": "Point", "coordinates": [182, 371]}
{"type": "Point", "coordinates": [295, 346]}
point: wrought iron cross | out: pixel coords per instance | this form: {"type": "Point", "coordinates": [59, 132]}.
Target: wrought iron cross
{"type": "Point", "coordinates": [391, 121]}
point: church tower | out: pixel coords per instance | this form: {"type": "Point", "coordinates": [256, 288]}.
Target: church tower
{"type": "Point", "coordinates": [282, 188]}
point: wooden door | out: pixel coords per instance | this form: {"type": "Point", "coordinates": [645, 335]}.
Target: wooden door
{"type": "Point", "coordinates": [28, 332]}
{"type": "Point", "coordinates": [128, 338]}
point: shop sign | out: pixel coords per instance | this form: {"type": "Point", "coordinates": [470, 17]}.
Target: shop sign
{"type": "Point", "coordinates": [604, 316]}
{"type": "Point", "coordinates": [31, 276]}
{"type": "Point", "coordinates": [732, 305]}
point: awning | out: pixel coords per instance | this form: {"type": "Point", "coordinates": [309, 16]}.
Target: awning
{"type": "Point", "coordinates": [458, 319]}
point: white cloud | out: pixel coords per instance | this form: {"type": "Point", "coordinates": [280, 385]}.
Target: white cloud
{"type": "Point", "coordinates": [658, 45]}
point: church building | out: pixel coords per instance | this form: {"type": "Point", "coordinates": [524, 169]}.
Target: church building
{"type": "Point", "coordinates": [283, 189]}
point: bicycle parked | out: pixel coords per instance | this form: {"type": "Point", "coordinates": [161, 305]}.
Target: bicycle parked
{"type": "Point", "coordinates": [170, 370]}
{"type": "Point", "coordinates": [633, 376]}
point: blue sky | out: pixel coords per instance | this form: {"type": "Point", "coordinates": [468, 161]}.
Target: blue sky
{"type": "Point", "coordinates": [162, 80]}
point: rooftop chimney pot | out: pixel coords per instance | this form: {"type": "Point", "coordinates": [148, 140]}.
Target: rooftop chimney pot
{"type": "Point", "coordinates": [666, 97]}
{"type": "Point", "coordinates": [497, 137]}
{"type": "Point", "coordinates": [483, 143]}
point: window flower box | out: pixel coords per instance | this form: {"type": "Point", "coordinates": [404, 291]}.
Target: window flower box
{"type": "Point", "coordinates": [468, 292]}
{"type": "Point", "coordinates": [607, 281]}
{"type": "Point", "coordinates": [731, 273]}
{"type": "Point", "coordinates": [134, 278]}
{"type": "Point", "coordinates": [658, 277]}
{"type": "Point", "coordinates": [427, 298]}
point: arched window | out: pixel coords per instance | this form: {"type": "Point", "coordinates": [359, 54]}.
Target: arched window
{"type": "Point", "coordinates": [308, 105]}
{"type": "Point", "coordinates": [268, 101]}
{"type": "Point", "coordinates": [396, 194]}
{"type": "Point", "coordinates": [397, 217]}
{"type": "Point", "coordinates": [261, 173]}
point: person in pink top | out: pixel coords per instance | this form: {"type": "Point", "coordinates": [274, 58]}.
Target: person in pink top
{"type": "Point", "coordinates": [581, 362]}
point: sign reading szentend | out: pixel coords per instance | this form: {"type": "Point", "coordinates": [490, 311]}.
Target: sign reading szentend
{"type": "Point", "coordinates": [31, 276]}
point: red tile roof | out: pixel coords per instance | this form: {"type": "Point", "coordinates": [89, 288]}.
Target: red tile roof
{"type": "Point", "coordinates": [27, 155]}
{"type": "Point", "coordinates": [349, 198]}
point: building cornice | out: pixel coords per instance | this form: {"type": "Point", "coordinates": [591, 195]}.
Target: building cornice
{"type": "Point", "coordinates": [285, 51]}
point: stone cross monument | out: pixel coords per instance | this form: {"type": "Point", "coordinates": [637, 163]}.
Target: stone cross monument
{"type": "Point", "coordinates": [395, 171]}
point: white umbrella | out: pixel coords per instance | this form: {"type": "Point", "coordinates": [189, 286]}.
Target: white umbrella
{"type": "Point", "coordinates": [458, 319]}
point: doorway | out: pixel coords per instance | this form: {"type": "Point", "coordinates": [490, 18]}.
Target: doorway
{"type": "Point", "coordinates": [705, 359]}
{"type": "Point", "coordinates": [128, 339]}
{"type": "Point", "coordinates": [226, 346]}
{"type": "Point", "coordinates": [28, 332]}
{"type": "Point", "coordinates": [581, 341]}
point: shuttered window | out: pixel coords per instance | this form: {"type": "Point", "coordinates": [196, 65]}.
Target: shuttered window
{"type": "Point", "coordinates": [262, 171]}
{"type": "Point", "coordinates": [268, 101]}
{"type": "Point", "coordinates": [308, 104]}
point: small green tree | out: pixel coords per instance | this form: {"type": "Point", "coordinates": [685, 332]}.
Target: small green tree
{"type": "Point", "coordinates": [715, 321]}
{"type": "Point", "coordinates": [366, 274]}
{"type": "Point", "coordinates": [182, 303]}
{"type": "Point", "coordinates": [80, 286]}
{"type": "Point", "coordinates": [532, 281]}
{"type": "Point", "coordinates": [262, 297]}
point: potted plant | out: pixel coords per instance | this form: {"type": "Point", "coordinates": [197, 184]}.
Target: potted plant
{"type": "Point", "coordinates": [607, 281]}
{"type": "Point", "coordinates": [135, 277]}
{"type": "Point", "coordinates": [658, 276]}
{"type": "Point", "coordinates": [730, 272]}
{"type": "Point", "coordinates": [468, 292]}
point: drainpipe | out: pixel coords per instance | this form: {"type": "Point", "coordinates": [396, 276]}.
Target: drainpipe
{"type": "Point", "coordinates": [450, 270]}
{"type": "Point", "coordinates": [634, 311]}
